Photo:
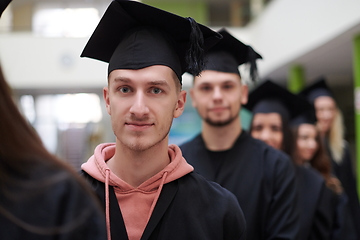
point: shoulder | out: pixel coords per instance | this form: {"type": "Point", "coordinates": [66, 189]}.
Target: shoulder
{"type": "Point", "coordinates": [207, 195]}
{"type": "Point", "coordinates": [258, 147]}
{"type": "Point", "coordinates": [311, 173]}
{"type": "Point", "coordinates": [274, 160]}
{"type": "Point", "coordinates": [57, 197]}
{"type": "Point", "coordinates": [202, 188]}
{"type": "Point", "coordinates": [191, 143]}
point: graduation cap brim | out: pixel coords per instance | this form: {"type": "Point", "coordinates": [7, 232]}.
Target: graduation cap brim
{"type": "Point", "coordinates": [229, 54]}
{"type": "Point", "coordinates": [268, 90]}
{"type": "Point", "coordinates": [122, 16]}
{"type": "Point", "coordinates": [307, 117]}
{"type": "Point", "coordinates": [317, 89]}
{"type": "Point", "coordinates": [3, 5]}
{"type": "Point", "coordinates": [236, 48]}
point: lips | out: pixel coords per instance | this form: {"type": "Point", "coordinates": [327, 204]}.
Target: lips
{"type": "Point", "coordinates": [138, 126]}
{"type": "Point", "coordinates": [218, 109]}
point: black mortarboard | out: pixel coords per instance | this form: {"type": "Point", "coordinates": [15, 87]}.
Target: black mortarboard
{"type": "Point", "coordinates": [229, 53]}
{"type": "Point", "coordinates": [3, 5]}
{"type": "Point", "coordinates": [307, 117]}
{"type": "Point", "coordinates": [270, 97]}
{"type": "Point", "coordinates": [133, 35]}
{"type": "Point", "coordinates": [317, 89]}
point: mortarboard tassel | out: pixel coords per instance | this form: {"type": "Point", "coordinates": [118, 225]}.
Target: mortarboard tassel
{"type": "Point", "coordinates": [195, 53]}
{"type": "Point", "coordinates": [252, 60]}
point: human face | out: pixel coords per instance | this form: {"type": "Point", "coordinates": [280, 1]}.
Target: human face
{"type": "Point", "coordinates": [218, 97]}
{"type": "Point", "coordinates": [142, 104]}
{"type": "Point", "coordinates": [267, 127]}
{"type": "Point", "coordinates": [325, 112]}
{"type": "Point", "coordinates": [306, 144]}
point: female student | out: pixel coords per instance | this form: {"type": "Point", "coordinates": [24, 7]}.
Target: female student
{"type": "Point", "coordinates": [273, 107]}
{"type": "Point", "coordinates": [331, 127]}
{"type": "Point", "coordinates": [40, 197]}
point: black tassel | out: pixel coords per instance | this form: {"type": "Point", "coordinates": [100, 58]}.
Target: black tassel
{"type": "Point", "coordinates": [195, 53]}
{"type": "Point", "coordinates": [252, 60]}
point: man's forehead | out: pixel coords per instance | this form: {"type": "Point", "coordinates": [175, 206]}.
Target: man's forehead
{"type": "Point", "coordinates": [209, 76]}
{"type": "Point", "coordinates": [151, 75]}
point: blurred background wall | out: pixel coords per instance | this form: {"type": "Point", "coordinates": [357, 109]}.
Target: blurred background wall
{"type": "Point", "coordinates": [61, 93]}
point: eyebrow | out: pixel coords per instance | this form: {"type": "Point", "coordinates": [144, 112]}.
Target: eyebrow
{"type": "Point", "coordinates": [210, 83]}
{"type": "Point", "coordinates": [162, 83]}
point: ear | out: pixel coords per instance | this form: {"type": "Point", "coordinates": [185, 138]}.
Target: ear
{"type": "Point", "coordinates": [192, 94]}
{"type": "Point", "coordinates": [180, 105]}
{"type": "Point", "coordinates": [107, 99]}
{"type": "Point", "coordinates": [244, 94]}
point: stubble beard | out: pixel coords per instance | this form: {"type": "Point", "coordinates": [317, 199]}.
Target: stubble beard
{"type": "Point", "coordinates": [138, 145]}
{"type": "Point", "coordinates": [220, 123]}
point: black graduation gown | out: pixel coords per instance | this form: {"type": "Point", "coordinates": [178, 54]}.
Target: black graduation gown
{"type": "Point", "coordinates": [345, 173]}
{"type": "Point", "coordinates": [189, 208]}
{"type": "Point", "coordinates": [317, 204]}
{"type": "Point", "coordinates": [48, 199]}
{"type": "Point", "coordinates": [262, 179]}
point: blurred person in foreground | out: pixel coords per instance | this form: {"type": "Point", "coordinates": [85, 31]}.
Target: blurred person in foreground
{"type": "Point", "coordinates": [41, 198]}
{"type": "Point", "coordinates": [147, 188]}
{"type": "Point", "coordinates": [262, 178]}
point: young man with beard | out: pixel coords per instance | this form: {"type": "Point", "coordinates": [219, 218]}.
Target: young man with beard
{"type": "Point", "coordinates": [262, 178]}
{"type": "Point", "coordinates": [147, 188]}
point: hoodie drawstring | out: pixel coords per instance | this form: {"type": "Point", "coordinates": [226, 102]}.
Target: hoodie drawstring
{"type": "Point", "coordinates": [158, 193]}
{"type": "Point", "coordinates": [107, 207]}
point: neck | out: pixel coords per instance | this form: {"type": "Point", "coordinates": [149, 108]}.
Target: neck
{"type": "Point", "coordinates": [221, 138]}
{"type": "Point", "coordinates": [135, 167]}
{"type": "Point", "coordinates": [299, 161]}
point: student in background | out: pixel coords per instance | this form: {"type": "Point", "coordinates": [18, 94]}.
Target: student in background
{"type": "Point", "coordinates": [309, 151]}
{"type": "Point", "coordinates": [273, 107]}
{"type": "Point", "coordinates": [262, 179]}
{"type": "Point", "coordinates": [331, 127]}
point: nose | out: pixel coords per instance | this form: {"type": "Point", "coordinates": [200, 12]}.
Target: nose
{"type": "Point", "coordinates": [265, 136]}
{"type": "Point", "coordinates": [327, 114]}
{"type": "Point", "coordinates": [139, 108]}
{"type": "Point", "coordinates": [217, 95]}
{"type": "Point", "coordinates": [312, 144]}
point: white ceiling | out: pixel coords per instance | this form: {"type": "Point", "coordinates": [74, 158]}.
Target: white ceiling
{"type": "Point", "coordinates": [333, 59]}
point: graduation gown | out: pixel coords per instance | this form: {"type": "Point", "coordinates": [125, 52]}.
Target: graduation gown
{"type": "Point", "coordinates": [190, 208]}
{"type": "Point", "coordinates": [317, 205]}
{"type": "Point", "coordinates": [262, 179]}
{"type": "Point", "coordinates": [345, 173]}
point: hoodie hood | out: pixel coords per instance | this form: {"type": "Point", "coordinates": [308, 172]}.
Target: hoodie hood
{"type": "Point", "coordinates": [96, 167]}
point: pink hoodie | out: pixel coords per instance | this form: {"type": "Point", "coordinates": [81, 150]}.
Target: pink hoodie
{"type": "Point", "coordinates": [136, 204]}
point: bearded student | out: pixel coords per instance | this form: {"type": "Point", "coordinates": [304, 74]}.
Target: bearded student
{"type": "Point", "coordinates": [262, 178]}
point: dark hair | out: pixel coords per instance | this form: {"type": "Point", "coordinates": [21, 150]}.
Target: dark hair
{"type": "Point", "coordinates": [321, 160]}
{"type": "Point", "coordinates": [22, 157]}
{"type": "Point", "coordinates": [288, 137]}
{"type": "Point", "coordinates": [20, 145]}
{"type": "Point", "coordinates": [286, 145]}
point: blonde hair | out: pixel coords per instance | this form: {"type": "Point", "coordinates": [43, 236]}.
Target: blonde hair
{"type": "Point", "coordinates": [336, 137]}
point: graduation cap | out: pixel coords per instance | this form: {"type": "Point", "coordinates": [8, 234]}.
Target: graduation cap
{"type": "Point", "coordinates": [133, 35]}
{"type": "Point", "coordinates": [229, 53]}
{"type": "Point", "coordinates": [270, 97]}
{"type": "Point", "coordinates": [308, 117]}
{"type": "Point", "coordinates": [317, 89]}
{"type": "Point", "coordinates": [3, 5]}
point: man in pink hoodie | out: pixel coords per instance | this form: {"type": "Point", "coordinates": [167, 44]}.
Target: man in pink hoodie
{"type": "Point", "coordinates": [148, 189]}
